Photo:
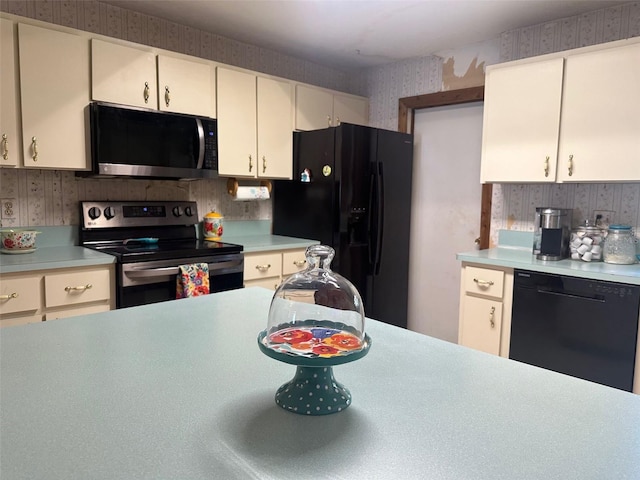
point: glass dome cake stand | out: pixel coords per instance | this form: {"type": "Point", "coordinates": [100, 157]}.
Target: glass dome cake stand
{"type": "Point", "coordinates": [316, 321]}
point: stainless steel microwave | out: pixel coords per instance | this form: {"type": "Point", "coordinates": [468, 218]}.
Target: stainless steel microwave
{"type": "Point", "coordinates": [134, 142]}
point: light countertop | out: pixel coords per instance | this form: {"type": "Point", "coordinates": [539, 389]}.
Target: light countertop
{"type": "Point", "coordinates": [46, 258]}
{"type": "Point", "coordinates": [180, 390]}
{"type": "Point", "coordinates": [523, 258]}
{"type": "Point", "coordinates": [262, 243]}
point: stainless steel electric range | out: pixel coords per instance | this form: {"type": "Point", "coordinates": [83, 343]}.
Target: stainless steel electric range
{"type": "Point", "coordinates": [150, 241]}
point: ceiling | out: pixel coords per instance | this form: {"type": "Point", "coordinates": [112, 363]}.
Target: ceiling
{"type": "Point", "coordinates": [350, 34]}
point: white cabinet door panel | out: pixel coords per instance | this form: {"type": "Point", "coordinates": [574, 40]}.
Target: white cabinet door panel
{"type": "Point", "coordinates": [186, 86]}
{"type": "Point", "coordinates": [275, 128]}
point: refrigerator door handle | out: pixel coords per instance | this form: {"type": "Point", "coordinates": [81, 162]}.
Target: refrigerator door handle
{"type": "Point", "coordinates": [371, 247]}
{"type": "Point", "coordinates": [380, 213]}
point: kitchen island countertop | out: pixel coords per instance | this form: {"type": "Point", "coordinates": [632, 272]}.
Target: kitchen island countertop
{"type": "Point", "coordinates": [180, 390]}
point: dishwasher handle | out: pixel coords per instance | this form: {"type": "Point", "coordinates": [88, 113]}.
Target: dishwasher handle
{"type": "Point", "coordinates": [596, 298]}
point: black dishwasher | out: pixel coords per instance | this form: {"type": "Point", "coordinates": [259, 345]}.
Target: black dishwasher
{"type": "Point", "coordinates": [583, 328]}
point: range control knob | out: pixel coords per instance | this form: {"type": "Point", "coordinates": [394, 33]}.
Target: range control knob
{"type": "Point", "coordinates": [94, 212]}
{"type": "Point", "coordinates": [188, 212]}
{"type": "Point", "coordinates": [109, 212]}
{"type": "Point", "coordinates": [177, 211]}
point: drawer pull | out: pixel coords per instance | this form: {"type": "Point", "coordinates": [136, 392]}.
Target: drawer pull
{"type": "Point", "coordinates": [9, 297]}
{"type": "Point", "coordinates": [263, 268]}
{"type": "Point", "coordinates": [299, 263]}
{"type": "Point", "coordinates": [491, 317]}
{"type": "Point", "coordinates": [483, 283]}
{"type": "Point", "coordinates": [79, 288]}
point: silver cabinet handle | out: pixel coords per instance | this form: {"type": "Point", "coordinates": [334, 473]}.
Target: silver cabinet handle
{"type": "Point", "coordinates": [264, 164]}
{"type": "Point", "coordinates": [299, 263]}
{"type": "Point", "coordinates": [5, 147]}
{"type": "Point", "coordinates": [337, 121]}
{"type": "Point", "coordinates": [546, 166]}
{"type": "Point", "coordinates": [167, 95]}
{"type": "Point", "coordinates": [491, 317]}
{"type": "Point", "coordinates": [570, 165]}
{"type": "Point", "coordinates": [483, 283]}
{"type": "Point", "coordinates": [79, 288]}
{"type": "Point", "coordinates": [328, 120]}
{"type": "Point", "coordinates": [250, 163]}
{"type": "Point", "coordinates": [263, 268]}
{"type": "Point", "coordinates": [9, 296]}
{"type": "Point", "coordinates": [145, 92]}
{"type": "Point", "coordinates": [34, 148]}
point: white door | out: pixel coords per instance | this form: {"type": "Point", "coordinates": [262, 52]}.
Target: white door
{"type": "Point", "coordinates": [445, 213]}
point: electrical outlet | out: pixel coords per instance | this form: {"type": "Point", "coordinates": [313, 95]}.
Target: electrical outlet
{"type": "Point", "coordinates": [604, 218]}
{"type": "Point", "coordinates": [8, 211]}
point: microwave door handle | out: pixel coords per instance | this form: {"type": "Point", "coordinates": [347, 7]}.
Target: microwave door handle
{"type": "Point", "coordinates": [201, 143]}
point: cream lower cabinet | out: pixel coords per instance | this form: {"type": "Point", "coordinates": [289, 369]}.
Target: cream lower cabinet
{"type": "Point", "coordinates": [54, 93]}
{"type": "Point", "coordinates": [255, 125]}
{"type": "Point", "coordinates": [270, 269]}
{"type": "Point", "coordinates": [9, 120]}
{"type": "Point", "coordinates": [60, 293]}
{"type": "Point", "coordinates": [485, 308]}
{"type": "Point", "coordinates": [318, 108]}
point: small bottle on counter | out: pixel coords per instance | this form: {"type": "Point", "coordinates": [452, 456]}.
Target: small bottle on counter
{"type": "Point", "coordinates": [620, 245]}
{"type": "Point", "coordinates": [586, 242]}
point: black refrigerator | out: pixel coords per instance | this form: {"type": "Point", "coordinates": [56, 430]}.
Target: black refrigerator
{"type": "Point", "coordinates": [352, 190]}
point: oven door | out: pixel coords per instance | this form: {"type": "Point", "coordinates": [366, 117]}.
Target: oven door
{"type": "Point", "coordinates": [141, 283]}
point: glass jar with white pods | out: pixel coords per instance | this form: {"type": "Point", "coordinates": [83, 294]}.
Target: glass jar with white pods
{"type": "Point", "coordinates": [586, 243]}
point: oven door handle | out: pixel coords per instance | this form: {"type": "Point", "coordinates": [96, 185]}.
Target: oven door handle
{"type": "Point", "coordinates": [164, 271]}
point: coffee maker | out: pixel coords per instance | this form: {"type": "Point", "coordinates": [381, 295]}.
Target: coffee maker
{"type": "Point", "coordinates": [552, 230]}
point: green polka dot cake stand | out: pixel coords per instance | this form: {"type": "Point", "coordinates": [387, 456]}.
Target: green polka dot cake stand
{"type": "Point", "coordinates": [313, 390]}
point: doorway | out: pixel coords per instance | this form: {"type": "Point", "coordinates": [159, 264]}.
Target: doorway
{"type": "Point", "coordinates": [445, 213]}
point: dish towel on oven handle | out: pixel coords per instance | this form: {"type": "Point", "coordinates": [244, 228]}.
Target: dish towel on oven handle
{"type": "Point", "coordinates": [192, 280]}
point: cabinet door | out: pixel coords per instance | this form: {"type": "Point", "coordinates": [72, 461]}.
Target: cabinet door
{"type": "Point", "coordinates": [275, 128]}
{"type": "Point", "coordinates": [20, 293]}
{"type": "Point", "coordinates": [294, 261]}
{"type": "Point", "coordinates": [122, 74]}
{"type": "Point", "coordinates": [237, 136]}
{"type": "Point", "coordinates": [349, 109]}
{"type": "Point", "coordinates": [186, 86]}
{"type": "Point", "coordinates": [314, 108]}
{"type": "Point", "coordinates": [9, 142]}
{"type": "Point", "coordinates": [481, 324]}
{"type": "Point", "coordinates": [600, 130]}
{"type": "Point", "coordinates": [54, 83]}
{"type": "Point", "coordinates": [521, 122]}
{"type": "Point", "coordinates": [76, 286]}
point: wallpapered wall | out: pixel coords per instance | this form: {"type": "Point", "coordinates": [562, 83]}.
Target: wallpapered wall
{"type": "Point", "coordinates": [44, 197]}
{"type": "Point", "coordinates": [50, 197]}
{"type": "Point", "coordinates": [514, 205]}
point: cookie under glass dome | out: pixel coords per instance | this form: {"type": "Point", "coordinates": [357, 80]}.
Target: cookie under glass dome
{"type": "Point", "coordinates": [316, 320]}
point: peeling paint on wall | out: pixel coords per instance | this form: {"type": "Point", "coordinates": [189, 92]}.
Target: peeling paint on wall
{"type": "Point", "coordinates": [473, 77]}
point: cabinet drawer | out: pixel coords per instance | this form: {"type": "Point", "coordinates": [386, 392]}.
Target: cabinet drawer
{"type": "Point", "coordinates": [482, 324]}
{"type": "Point", "coordinates": [81, 310]}
{"type": "Point", "coordinates": [262, 266]}
{"type": "Point", "coordinates": [77, 287]}
{"type": "Point", "coordinates": [12, 321]}
{"type": "Point", "coordinates": [20, 294]}
{"type": "Point", "coordinates": [484, 281]}
{"type": "Point", "coordinates": [270, 283]}
{"type": "Point", "coordinates": [293, 262]}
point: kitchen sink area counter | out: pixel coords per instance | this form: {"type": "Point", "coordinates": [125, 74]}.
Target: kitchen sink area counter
{"type": "Point", "coordinates": [516, 252]}
{"type": "Point", "coordinates": [181, 390]}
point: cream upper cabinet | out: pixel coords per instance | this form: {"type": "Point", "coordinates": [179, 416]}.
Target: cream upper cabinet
{"type": "Point", "coordinates": [186, 86]}
{"type": "Point", "coordinates": [54, 92]}
{"type": "Point", "coordinates": [237, 117]}
{"type": "Point", "coordinates": [123, 74]}
{"type": "Point", "coordinates": [318, 108]}
{"type": "Point", "coordinates": [275, 130]}
{"type": "Point", "coordinates": [9, 120]}
{"type": "Point", "coordinates": [521, 122]}
{"type": "Point", "coordinates": [254, 125]}
{"type": "Point", "coordinates": [600, 124]}
{"type": "Point", "coordinates": [569, 118]}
